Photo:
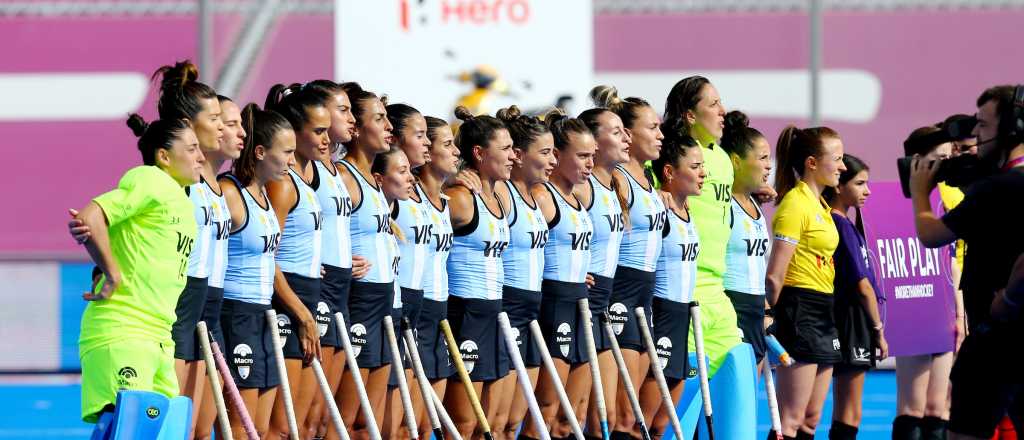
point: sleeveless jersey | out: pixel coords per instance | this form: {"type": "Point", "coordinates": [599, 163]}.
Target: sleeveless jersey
{"type": "Point", "coordinates": [299, 252]}
{"type": "Point", "coordinates": [567, 253]}
{"type": "Point", "coordinates": [221, 232]}
{"type": "Point", "coordinates": [250, 272]}
{"type": "Point", "coordinates": [641, 244]}
{"type": "Point", "coordinates": [607, 219]}
{"type": "Point", "coordinates": [746, 255]}
{"type": "Point", "coordinates": [676, 276]}
{"type": "Point", "coordinates": [202, 202]}
{"type": "Point", "coordinates": [414, 219]}
{"type": "Point", "coordinates": [475, 269]}
{"type": "Point", "coordinates": [435, 274]}
{"type": "Point", "coordinates": [370, 228]}
{"type": "Point", "coordinates": [337, 207]}
{"type": "Point", "coordinates": [524, 258]}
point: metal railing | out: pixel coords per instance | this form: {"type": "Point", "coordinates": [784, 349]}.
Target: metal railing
{"type": "Point", "coordinates": [50, 8]}
{"type": "Point", "coordinates": [684, 6]}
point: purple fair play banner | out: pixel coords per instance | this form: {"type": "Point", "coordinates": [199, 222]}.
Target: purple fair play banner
{"type": "Point", "coordinates": [919, 310]}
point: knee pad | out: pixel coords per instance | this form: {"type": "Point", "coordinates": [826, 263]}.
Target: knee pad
{"type": "Point", "coordinates": [145, 414]}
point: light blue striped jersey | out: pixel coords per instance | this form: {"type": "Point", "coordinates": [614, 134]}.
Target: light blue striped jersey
{"type": "Point", "coordinates": [435, 275]}
{"type": "Point", "coordinates": [524, 258]}
{"type": "Point", "coordinates": [567, 253]}
{"type": "Point", "coordinates": [475, 269]}
{"type": "Point", "coordinates": [299, 252]}
{"type": "Point", "coordinates": [337, 207]}
{"type": "Point", "coordinates": [746, 255]}
{"type": "Point", "coordinates": [414, 219]}
{"type": "Point", "coordinates": [250, 271]}
{"type": "Point", "coordinates": [202, 207]}
{"type": "Point", "coordinates": [221, 232]}
{"type": "Point", "coordinates": [370, 227]}
{"type": "Point", "coordinates": [676, 276]}
{"type": "Point", "coordinates": [641, 244]}
{"type": "Point", "coordinates": [607, 219]}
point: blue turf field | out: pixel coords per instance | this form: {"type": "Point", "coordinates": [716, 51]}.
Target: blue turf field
{"type": "Point", "coordinates": [51, 410]}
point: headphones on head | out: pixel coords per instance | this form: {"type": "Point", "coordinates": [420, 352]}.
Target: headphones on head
{"type": "Point", "coordinates": [1011, 121]}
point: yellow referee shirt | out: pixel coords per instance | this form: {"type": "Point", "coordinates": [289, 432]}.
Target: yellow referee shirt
{"type": "Point", "coordinates": [803, 219]}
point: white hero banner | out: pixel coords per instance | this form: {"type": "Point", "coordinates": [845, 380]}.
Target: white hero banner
{"type": "Point", "coordinates": [433, 54]}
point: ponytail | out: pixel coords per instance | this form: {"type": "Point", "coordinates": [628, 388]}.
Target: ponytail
{"type": "Point", "coordinates": [738, 136]}
{"type": "Point", "coordinates": [562, 127]}
{"type": "Point", "coordinates": [791, 152]}
{"type": "Point", "coordinates": [262, 127]}
{"type": "Point", "coordinates": [523, 129]}
{"type": "Point", "coordinates": [474, 131]}
{"type": "Point", "coordinates": [294, 102]}
{"type": "Point", "coordinates": [181, 93]}
{"type": "Point", "coordinates": [628, 109]}
{"type": "Point", "coordinates": [157, 135]}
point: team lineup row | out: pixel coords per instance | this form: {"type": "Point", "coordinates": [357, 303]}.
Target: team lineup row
{"type": "Point", "coordinates": [338, 203]}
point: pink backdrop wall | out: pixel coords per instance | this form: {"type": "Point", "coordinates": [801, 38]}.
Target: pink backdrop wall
{"type": "Point", "coordinates": [931, 64]}
{"type": "Point", "coordinates": [72, 161]}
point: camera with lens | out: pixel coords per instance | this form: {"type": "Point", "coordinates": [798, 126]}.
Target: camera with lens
{"type": "Point", "coordinates": [959, 171]}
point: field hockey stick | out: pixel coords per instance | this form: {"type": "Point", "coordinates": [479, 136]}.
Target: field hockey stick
{"type": "Point", "coordinates": [399, 371]}
{"type": "Point", "coordinates": [446, 420]}
{"type": "Point", "coordinates": [282, 373]}
{"type": "Point", "coordinates": [595, 368]}
{"type": "Point", "coordinates": [773, 401]}
{"type": "Point", "coordinates": [467, 383]}
{"type": "Point", "coordinates": [211, 374]}
{"type": "Point", "coordinates": [549, 364]}
{"type": "Point", "coordinates": [233, 394]}
{"type": "Point", "coordinates": [702, 366]}
{"type": "Point", "coordinates": [777, 351]}
{"type": "Point", "coordinates": [524, 378]}
{"type": "Point", "coordinates": [627, 382]}
{"type": "Point", "coordinates": [357, 379]}
{"type": "Point", "coordinates": [332, 406]}
{"type": "Point", "coordinates": [659, 375]}
{"type": "Point", "coordinates": [421, 377]}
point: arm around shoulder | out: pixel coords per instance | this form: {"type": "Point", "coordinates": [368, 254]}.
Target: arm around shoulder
{"type": "Point", "coordinates": [462, 205]}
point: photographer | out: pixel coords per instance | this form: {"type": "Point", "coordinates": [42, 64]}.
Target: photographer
{"type": "Point", "coordinates": [922, 404]}
{"type": "Point", "coordinates": [985, 376]}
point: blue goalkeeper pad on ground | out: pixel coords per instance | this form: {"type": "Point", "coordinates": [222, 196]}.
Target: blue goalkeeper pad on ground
{"type": "Point", "coordinates": [145, 415]}
{"type": "Point", "coordinates": [733, 399]}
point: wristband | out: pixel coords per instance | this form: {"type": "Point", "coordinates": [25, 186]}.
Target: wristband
{"type": "Point", "coordinates": [769, 313]}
